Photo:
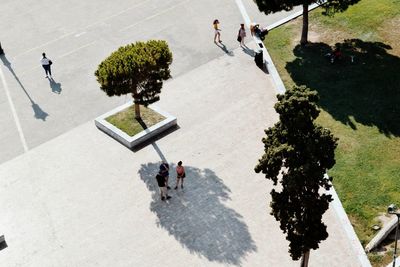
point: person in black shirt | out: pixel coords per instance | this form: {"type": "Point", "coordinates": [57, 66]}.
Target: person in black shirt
{"type": "Point", "coordinates": [162, 185]}
{"type": "Point", "coordinates": [164, 171]}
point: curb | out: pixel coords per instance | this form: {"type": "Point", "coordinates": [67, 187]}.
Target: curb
{"type": "Point", "coordinates": [348, 228]}
{"type": "Point", "coordinates": [143, 136]}
{"type": "Point", "coordinates": [280, 87]}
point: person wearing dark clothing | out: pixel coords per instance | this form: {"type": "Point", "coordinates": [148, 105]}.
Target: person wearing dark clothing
{"type": "Point", "coordinates": [161, 185]}
{"type": "Point", "coordinates": [260, 33]}
{"type": "Point", "coordinates": [164, 171]}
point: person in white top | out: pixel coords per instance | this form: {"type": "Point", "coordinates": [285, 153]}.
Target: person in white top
{"type": "Point", "coordinates": [46, 64]}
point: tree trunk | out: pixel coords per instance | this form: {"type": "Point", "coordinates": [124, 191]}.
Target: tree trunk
{"type": "Point", "coordinates": [137, 111]}
{"type": "Point", "coordinates": [304, 32]}
{"type": "Point", "coordinates": [304, 259]}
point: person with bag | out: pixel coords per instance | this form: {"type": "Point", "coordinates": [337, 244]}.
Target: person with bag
{"type": "Point", "coordinates": [241, 34]}
{"type": "Point", "coordinates": [46, 64]}
{"type": "Point", "coordinates": [180, 174]}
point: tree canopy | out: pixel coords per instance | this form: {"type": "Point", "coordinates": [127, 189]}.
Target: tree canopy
{"type": "Point", "coordinates": [331, 7]}
{"type": "Point", "coordinates": [298, 152]}
{"type": "Point", "coordinates": [139, 68]}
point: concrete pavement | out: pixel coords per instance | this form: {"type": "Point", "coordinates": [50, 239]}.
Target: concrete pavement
{"type": "Point", "coordinates": [77, 36]}
{"type": "Point", "coordinates": [82, 199]}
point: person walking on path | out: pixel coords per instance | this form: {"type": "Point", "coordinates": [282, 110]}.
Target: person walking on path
{"type": "Point", "coordinates": [241, 34]}
{"type": "Point", "coordinates": [162, 185]}
{"type": "Point", "coordinates": [180, 174]}
{"type": "Point", "coordinates": [164, 171]}
{"type": "Point", "coordinates": [46, 64]}
{"type": "Point", "coordinates": [217, 31]}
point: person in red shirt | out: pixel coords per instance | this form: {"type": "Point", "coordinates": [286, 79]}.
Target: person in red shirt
{"type": "Point", "coordinates": [180, 174]}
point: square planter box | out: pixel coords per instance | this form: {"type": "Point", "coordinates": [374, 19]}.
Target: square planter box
{"type": "Point", "coordinates": [132, 141]}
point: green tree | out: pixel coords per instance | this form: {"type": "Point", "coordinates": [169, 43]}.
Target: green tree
{"type": "Point", "coordinates": [139, 69]}
{"type": "Point", "coordinates": [330, 6]}
{"type": "Point", "coordinates": [298, 153]}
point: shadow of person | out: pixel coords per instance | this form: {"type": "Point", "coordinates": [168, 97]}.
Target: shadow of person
{"type": "Point", "coordinates": [223, 48]}
{"type": "Point", "coordinates": [197, 216]}
{"type": "Point", "coordinates": [55, 86]}
{"type": "Point", "coordinates": [38, 112]}
{"type": "Point", "coordinates": [248, 51]}
{"type": "Point", "coordinates": [363, 87]}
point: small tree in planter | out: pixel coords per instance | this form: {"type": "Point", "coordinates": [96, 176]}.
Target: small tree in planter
{"type": "Point", "coordinates": [139, 69]}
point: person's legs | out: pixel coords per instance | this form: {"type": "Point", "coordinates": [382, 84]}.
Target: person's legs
{"type": "Point", "coordinates": [45, 69]}
{"type": "Point", "coordinates": [182, 182]}
{"type": "Point", "coordinates": [177, 183]}
{"type": "Point", "coordinates": [219, 37]}
{"type": "Point", "coordinates": [166, 182]}
{"type": "Point", "coordinates": [162, 192]}
{"type": "Point", "coordinates": [50, 70]}
{"type": "Point", "coordinates": [166, 193]}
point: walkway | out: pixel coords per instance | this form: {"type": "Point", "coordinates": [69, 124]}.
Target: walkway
{"type": "Point", "coordinates": [82, 199]}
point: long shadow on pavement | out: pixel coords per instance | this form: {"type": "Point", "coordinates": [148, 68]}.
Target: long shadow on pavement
{"type": "Point", "coordinates": [197, 216]}
{"type": "Point", "coordinates": [38, 112]}
{"type": "Point", "coordinates": [366, 90]}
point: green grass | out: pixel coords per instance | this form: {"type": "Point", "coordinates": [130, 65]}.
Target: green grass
{"type": "Point", "coordinates": [125, 120]}
{"type": "Point", "coordinates": [360, 101]}
{"type": "Point", "coordinates": [363, 19]}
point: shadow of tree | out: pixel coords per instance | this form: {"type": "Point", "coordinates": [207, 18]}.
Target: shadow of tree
{"type": "Point", "coordinates": [366, 90]}
{"type": "Point", "coordinates": [197, 216]}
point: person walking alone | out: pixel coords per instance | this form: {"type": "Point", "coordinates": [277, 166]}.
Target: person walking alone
{"type": "Point", "coordinates": [241, 34]}
{"type": "Point", "coordinates": [216, 31]}
{"type": "Point", "coordinates": [46, 64]}
{"type": "Point", "coordinates": [180, 174]}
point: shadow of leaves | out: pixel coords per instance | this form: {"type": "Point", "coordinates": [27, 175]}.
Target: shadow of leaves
{"type": "Point", "coordinates": [197, 216]}
{"type": "Point", "coordinates": [363, 86]}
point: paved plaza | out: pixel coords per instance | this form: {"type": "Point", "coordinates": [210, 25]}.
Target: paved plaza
{"type": "Point", "coordinates": [75, 197]}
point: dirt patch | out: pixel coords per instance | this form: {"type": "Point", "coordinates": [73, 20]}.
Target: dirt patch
{"type": "Point", "coordinates": [390, 32]}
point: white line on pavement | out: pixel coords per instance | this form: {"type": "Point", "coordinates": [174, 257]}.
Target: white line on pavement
{"type": "Point", "coordinates": [13, 111]}
{"type": "Point", "coordinates": [79, 34]}
{"type": "Point", "coordinates": [279, 86]}
{"type": "Point", "coordinates": [76, 49]}
{"type": "Point", "coordinates": [63, 55]}
{"type": "Point", "coordinates": [153, 16]}
{"type": "Point", "coordinates": [243, 11]}
{"type": "Point", "coordinates": [116, 14]}
{"type": "Point", "coordinates": [43, 45]}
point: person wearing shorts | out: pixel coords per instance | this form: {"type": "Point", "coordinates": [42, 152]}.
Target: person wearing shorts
{"type": "Point", "coordinates": [216, 31]}
{"type": "Point", "coordinates": [180, 174]}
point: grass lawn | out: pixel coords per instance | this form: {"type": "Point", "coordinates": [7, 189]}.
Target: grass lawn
{"type": "Point", "coordinates": [360, 101]}
{"type": "Point", "coordinates": [125, 120]}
